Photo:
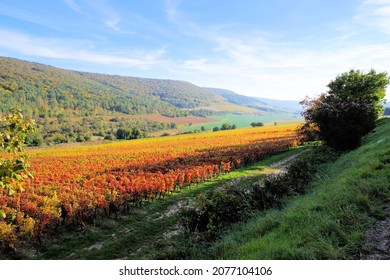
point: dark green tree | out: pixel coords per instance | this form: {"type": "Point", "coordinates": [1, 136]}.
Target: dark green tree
{"type": "Point", "coordinates": [128, 134]}
{"type": "Point", "coordinates": [256, 124]}
{"type": "Point", "coordinates": [226, 126]}
{"type": "Point", "coordinates": [136, 133]}
{"type": "Point", "coordinates": [173, 125]}
{"type": "Point", "coordinates": [123, 133]}
{"type": "Point", "coordinates": [349, 110]}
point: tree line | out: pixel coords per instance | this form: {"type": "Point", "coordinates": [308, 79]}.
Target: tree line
{"type": "Point", "coordinates": [66, 130]}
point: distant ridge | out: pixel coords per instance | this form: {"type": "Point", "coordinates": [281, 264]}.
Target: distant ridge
{"type": "Point", "coordinates": [263, 104]}
{"type": "Point", "coordinates": [284, 104]}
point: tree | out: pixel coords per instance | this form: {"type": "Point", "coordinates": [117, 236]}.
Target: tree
{"type": "Point", "coordinates": [173, 125]}
{"type": "Point", "coordinates": [136, 133]}
{"type": "Point", "coordinates": [13, 170]}
{"type": "Point", "coordinates": [128, 134]}
{"type": "Point", "coordinates": [123, 133]}
{"type": "Point", "coordinates": [349, 110]}
{"type": "Point", "coordinates": [256, 124]}
{"type": "Point", "coordinates": [13, 132]}
{"type": "Point", "coordinates": [226, 126]}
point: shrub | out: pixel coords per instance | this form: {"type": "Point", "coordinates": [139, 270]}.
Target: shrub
{"type": "Point", "coordinates": [221, 207]}
{"type": "Point", "coordinates": [216, 210]}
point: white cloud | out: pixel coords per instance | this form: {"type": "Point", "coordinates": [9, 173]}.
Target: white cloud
{"type": "Point", "coordinates": [75, 50]}
{"type": "Point", "coordinates": [375, 14]}
{"type": "Point", "coordinates": [383, 11]}
{"type": "Point", "coordinates": [254, 65]}
{"type": "Point", "coordinates": [284, 71]}
{"type": "Point", "coordinates": [376, 2]}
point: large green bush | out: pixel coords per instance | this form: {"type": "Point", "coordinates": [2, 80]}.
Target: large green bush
{"type": "Point", "coordinates": [349, 110]}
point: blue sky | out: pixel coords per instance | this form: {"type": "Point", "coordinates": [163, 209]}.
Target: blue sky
{"type": "Point", "coordinates": [278, 49]}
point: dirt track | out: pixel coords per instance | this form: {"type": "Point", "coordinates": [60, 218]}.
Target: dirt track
{"type": "Point", "coordinates": [378, 241]}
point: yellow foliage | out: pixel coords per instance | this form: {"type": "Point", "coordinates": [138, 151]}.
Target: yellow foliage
{"type": "Point", "coordinates": [27, 227]}
{"type": "Point", "coordinates": [7, 234]}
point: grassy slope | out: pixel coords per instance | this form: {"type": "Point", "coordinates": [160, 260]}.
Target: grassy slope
{"type": "Point", "coordinates": [329, 222]}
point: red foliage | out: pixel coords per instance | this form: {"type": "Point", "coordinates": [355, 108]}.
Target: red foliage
{"type": "Point", "coordinates": [81, 183]}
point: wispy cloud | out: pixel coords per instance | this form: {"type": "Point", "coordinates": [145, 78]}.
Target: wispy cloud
{"type": "Point", "coordinates": [101, 10]}
{"type": "Point", "coordinates": [279, 66]}
{"type": "Point", "coordinates": [74, 6]}
{"type": "Point", "coordinates": [106, 12]}
{"type": "Point", "coordinates": [256, 66]}
{"type": "Point", "coordinates": [182, 21]}
{"type": "Point", "coordinates": [171, 10]}
{"type": "Point", "coordinates": [113, 23]}
{"type": "Point", "coordinates": [225, 54]}
{"type": "Point", "coordinates": [375, 14]}
{"type": "Point", "coordinates": [26, 15]}
{"type": "Point", "coordinates": [75, 50]}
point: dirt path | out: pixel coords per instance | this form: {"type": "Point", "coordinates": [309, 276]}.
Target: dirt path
{"type": "Point", "coordinates": [284, 163]}
{"type": "Point", "coordinates": [274, 168]}
{"type": "Point", "coordinates": [378, 240]}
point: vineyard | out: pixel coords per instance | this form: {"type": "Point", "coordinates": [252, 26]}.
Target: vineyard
{"type": "Point", "coordinates": [78, 185]}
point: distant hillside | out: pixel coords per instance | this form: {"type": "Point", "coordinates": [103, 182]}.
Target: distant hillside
{"type": "Point", "coordinates": [74, 106]}
{"type": "Point", "coordinates": [180, 94]}
{"type": "Point", "coordinates": [284, 104]}
{"type": "Point", "coordinates": [262, 104]}
{"type": "Point", "coordinates": [48, 91]}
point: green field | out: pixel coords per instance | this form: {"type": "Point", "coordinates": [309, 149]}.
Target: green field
{"type": "Point", "coordinates": [242, 121]}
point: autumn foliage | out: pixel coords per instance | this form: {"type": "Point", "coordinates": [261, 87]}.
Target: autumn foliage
{"type": "Point", "coordinates": [77, 185]}
{"type": "Point", "coordinates": [13, 170]}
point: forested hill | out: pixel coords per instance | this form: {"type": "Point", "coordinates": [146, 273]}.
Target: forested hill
{"type": "Point", "coordinates": [47, 91]}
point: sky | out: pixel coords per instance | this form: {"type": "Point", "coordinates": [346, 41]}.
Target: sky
{"type": "Point", "coordinates": [279, 49]}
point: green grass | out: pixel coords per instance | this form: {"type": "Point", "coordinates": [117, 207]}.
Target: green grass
{"type": "Point", "coordinates": [346, 198]}
{"type": "Point", "coordinates": [141, 234]}
{"type": "Point", "coordinates": [242, 121]}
